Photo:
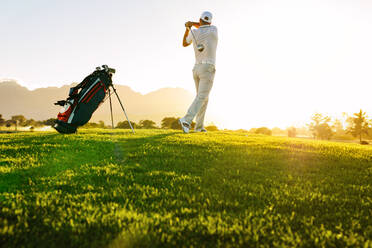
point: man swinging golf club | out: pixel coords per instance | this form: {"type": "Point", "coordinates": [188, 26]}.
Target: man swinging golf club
{"type": "Point", "coordinates": [204, 39]}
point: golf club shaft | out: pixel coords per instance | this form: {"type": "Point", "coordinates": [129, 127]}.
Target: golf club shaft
{"type": "Point", "coordinates": [192, 33]}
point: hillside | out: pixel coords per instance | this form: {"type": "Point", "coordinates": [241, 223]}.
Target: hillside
{"type": "Point", "coordinates": [105, 188]}
{"type": "Point", "coordinates": [38, 104]}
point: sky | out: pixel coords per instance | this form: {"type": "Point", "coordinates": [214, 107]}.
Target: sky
{"type": "Point", "coordinates": [278, 62]}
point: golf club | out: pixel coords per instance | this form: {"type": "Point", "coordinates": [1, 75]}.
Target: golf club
{"type": "Point", "coordinates": [200, 47]}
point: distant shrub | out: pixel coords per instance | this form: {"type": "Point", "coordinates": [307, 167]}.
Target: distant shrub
{"type": "Point", "coordinates": [147, 124]}
{"type": "Point", "coordinates": [343, 137]}
{"type": "Point", "coordinates": [167, 122]}
{"type": "Point", "coordinates": [50, 122]}
{"type": "Point", "coordinates": [252, 130]}
{"type": "Point", "coordinates": [125, 125]}
{"type": "Point", "coordinates": [292, 132]}
{"type": "Point", "coordinates": [263, 130]}
{"type": "Point", "coordinates": [212, 128]}
{"type": "Point", "coordinates": [278, 132]}
{"type": "Point", "coordinates": [320, 126]}
{"type": "Point", "coordinates": [100, 124]}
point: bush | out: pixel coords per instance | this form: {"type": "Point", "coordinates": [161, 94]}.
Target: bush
{"type": "Point", "coordinates": [147, 124]}
{"type": "Point", "coordinates": [125, 125]}
{"type": "Point", "coordinates": [263, 130]}
{"type": "Point", "coordinates": [292, 132]}
{"type": "Point", "coordinates": [167, 122]}
{"type": "Point", "coordinates": [212, 128]}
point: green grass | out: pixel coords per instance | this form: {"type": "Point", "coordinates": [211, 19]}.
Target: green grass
{"type": "Point", "coordinates": [103, 188]}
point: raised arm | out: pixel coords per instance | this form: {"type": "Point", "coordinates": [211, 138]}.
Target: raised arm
{"type": "Point", "coordinates": [188, 26]}
{"type": "Point", "coordinates": [184, 42]}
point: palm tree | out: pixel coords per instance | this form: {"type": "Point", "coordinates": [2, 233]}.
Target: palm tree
{"type": "Point", "coordinates": [358, 124]}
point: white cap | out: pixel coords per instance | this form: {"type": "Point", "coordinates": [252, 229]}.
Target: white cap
{"type": "Point", "coordinates": [206, 16]}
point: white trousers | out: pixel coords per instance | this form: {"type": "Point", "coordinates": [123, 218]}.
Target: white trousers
{"type": "Point", "coordinates": [203, 77]}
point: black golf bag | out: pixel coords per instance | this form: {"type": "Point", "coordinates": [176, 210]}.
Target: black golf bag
{"type": "Point", "coordinates": [83, 100]}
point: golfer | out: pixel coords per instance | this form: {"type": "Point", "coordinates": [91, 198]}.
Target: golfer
{"type": "Point", "coordinates": [204, 39]}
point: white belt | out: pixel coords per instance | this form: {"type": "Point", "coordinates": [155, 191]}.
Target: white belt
{"type": "Point", "coordinates": [205, 62]}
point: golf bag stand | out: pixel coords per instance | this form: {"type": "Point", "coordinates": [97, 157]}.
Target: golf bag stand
{"type": "Point", "coordinates": [84, 99]}
{"type": "Point", "coordinates": [122, 107]}
{"type": "Point", "coordinates": [112, 118]}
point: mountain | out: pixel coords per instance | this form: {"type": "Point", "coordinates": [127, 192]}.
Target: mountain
{"type": "Point", "coordinates": [38, 104]}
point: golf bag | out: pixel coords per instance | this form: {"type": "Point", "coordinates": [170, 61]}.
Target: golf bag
{"type": "Point", "coordinates": [83, 100]}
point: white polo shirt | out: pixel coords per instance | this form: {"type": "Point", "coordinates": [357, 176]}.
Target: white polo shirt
{"type": "Point", "coordinates": [208, 36]}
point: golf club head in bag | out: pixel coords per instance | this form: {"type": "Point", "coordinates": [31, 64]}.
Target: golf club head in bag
{"type": "Point", "coordinates": [83, 100]}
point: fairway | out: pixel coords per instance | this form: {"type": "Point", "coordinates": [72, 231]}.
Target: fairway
{"type": "Point", "coordinates": [158, 188]}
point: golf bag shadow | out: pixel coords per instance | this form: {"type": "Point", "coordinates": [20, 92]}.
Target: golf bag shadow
{"type": "Point", "coordinates": [83, 100]}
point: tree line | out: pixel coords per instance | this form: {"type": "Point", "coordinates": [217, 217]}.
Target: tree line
{"type": "Point", "coordinates": [321, 126]}
{"type": "Point", "coordinates": [166, 123]}
{"type": "Point", "coordinates": [358, 126]}
{"type": "Point", "coordinates": [21, 121]}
